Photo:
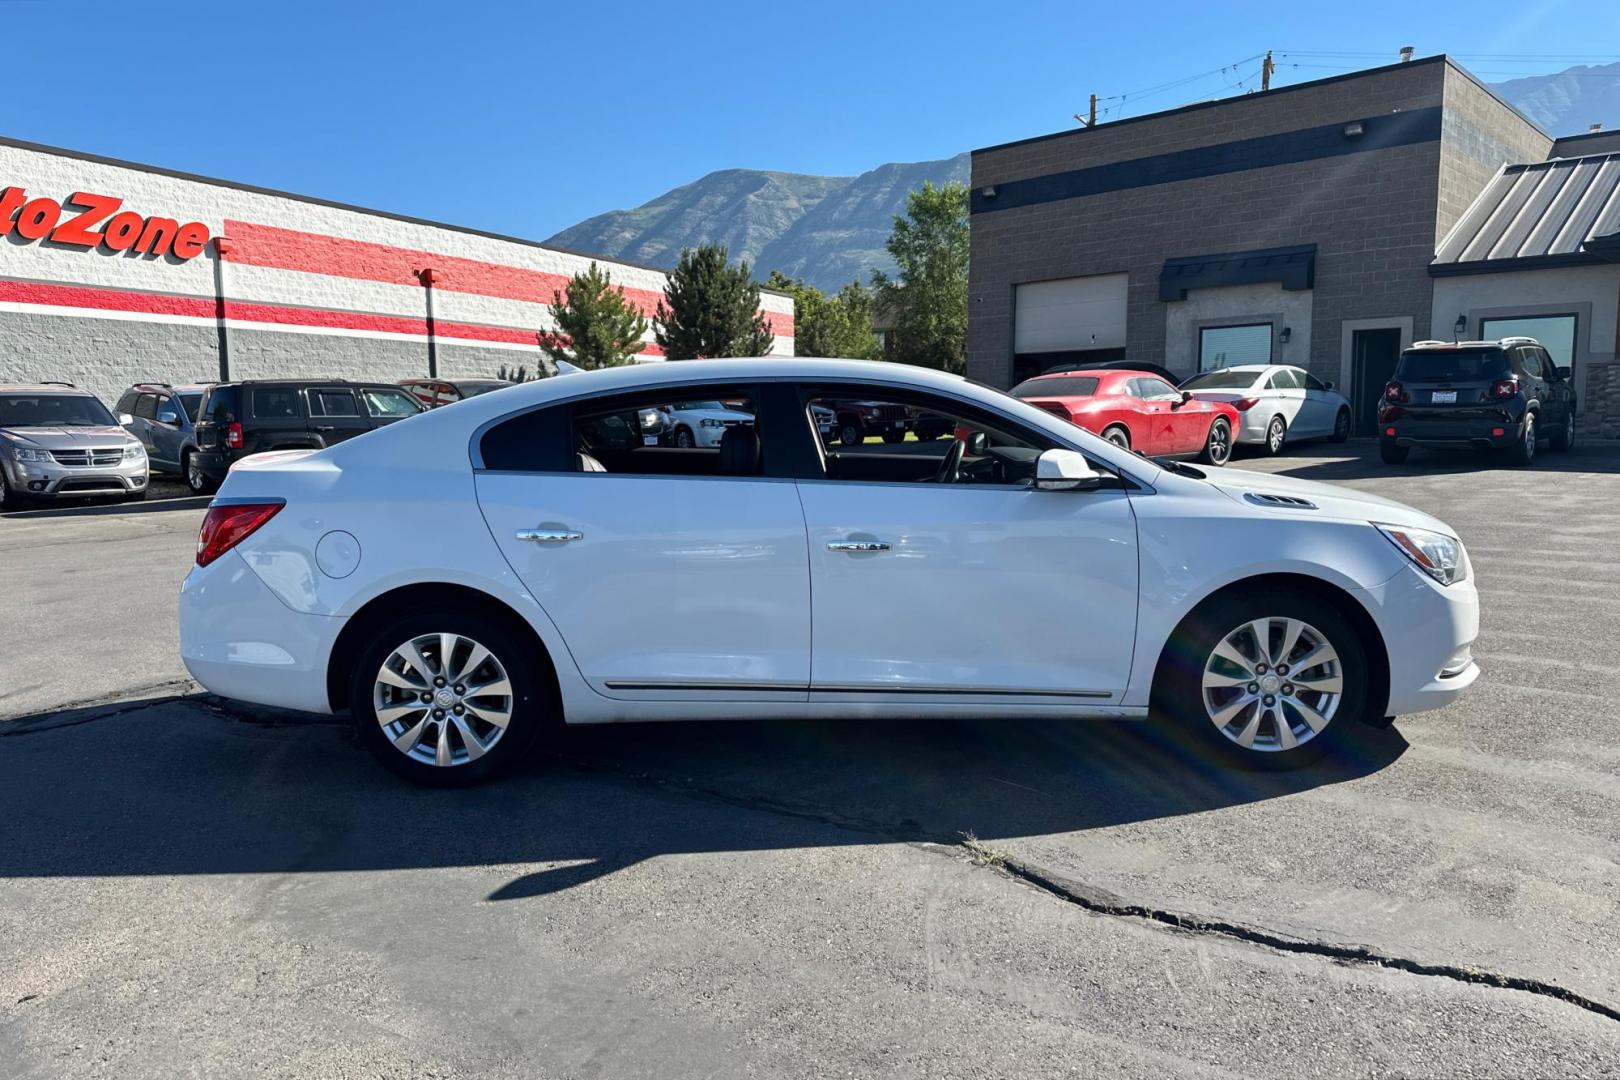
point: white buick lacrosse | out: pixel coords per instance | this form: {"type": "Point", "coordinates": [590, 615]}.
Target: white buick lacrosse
{"type": "Point", "coordinates": [464, 580]}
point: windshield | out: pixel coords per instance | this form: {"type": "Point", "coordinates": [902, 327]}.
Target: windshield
{"type": "Point", "coordinates": [189, 403]}
{"type": "Point", "coordinates": [1453, 365]}
{"type": "Point", "coordinates": [1074, 386]}
{"type": "Point", "coordinates": [1226, 379]}
{"type": "Point", "coordinates": [53, 410]}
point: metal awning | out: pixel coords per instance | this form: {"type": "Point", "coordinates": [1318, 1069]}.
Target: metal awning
{"type": "Point", "coordinates": [1293, 267]}
{"type": "Point", "coordinates": [1563, 212]}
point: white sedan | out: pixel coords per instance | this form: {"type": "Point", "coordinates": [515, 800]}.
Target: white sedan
{"type": "Point", "coordinates": [466, 581]}
{"type": "Point", "coordinates": [1276, 403]}
{"type": "Point", "coordinates": [703, 423]}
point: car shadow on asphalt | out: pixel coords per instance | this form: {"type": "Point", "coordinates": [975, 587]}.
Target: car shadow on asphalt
{"type": "Point", "coordinates": [1366, 465]}
{"type": "Point", "coordinates": [188, 786]}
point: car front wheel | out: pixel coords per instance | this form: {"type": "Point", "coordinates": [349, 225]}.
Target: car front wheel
{"type": "Point", "coordinates": [1563, 440]}
{"type": "Point", "coordinates": [1268, 681]}
{"type": "Point", "coordinates": [448, 699]}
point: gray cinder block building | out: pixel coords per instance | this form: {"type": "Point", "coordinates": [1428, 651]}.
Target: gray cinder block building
{"type": "Point", "coordinates": [1306, 225]}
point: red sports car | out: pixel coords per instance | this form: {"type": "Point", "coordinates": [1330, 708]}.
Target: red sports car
{"type": "Point", "coordinates": [1137, 410]}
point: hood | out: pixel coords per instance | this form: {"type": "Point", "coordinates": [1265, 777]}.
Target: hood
{"type": "Point", "coordinates": [67, 438]}
{"type": "Point", "coordinates": [715, 414]}
{"type": "Point", "coordinates": [1331, 500]}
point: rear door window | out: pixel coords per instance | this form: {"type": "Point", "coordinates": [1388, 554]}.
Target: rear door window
{"type": "Point", "coordinates": [146, 407]}
{"type": "Point", "coordinates": [274, 404]}
{"type": "Point", "coordinates": [1531, 362]}
{"type": "Point", "coordinates": [1453, 365]}
{"type": "Point", "coordinates": [332, 403]}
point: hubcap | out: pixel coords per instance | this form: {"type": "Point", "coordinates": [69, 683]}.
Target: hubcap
{"type": "Point", "coordinates": [443, 699]}
{"type": "Point", "coordinates": [1272, 684]}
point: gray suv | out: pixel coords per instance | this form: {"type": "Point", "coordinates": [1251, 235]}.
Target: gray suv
{"type": "Point", "coordinates": [163, 418]}
{"type": "Point", "coordinates": [57, 441]}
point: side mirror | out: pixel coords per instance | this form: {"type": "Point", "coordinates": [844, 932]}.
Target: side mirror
{"type": "Point", "coordinates": [124, 419]}
{"type": "Point", "coordinates": [168, 416]}
{"type": "Point", "coordinates": [1064, 470]}
{"type": "Point", "coordinates": [978, 443]}
{"type": "Point", "coordinates": [1328, 385]}
{"type": "Point", "coordinates": [1563, 372]}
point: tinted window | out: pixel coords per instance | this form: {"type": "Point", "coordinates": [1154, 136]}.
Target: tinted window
{"type": "Point", "coordinates": [222, 404]}
{"type": "Point", "coordinates": [127, 402]}
{"type": "Point", "coordinates": [381, 401]}
{"type": "Point", "coordinates": [332, 403]}
{"type": "Point", "coordinates": [189, 403]}
{"type": "Point", "coordinates": [1285, 380]}
{"type": "Point", "coordinates": [634, 435]}
{"type": "Point", "coordinates": [1226, 379]}
{"type": "Point", "coordinates": [536, 441]}
{"type": "Point", "coordinates": [1531, 362]}
{"type": "Point", "coordinates": [1153, 388]}
{"type": "Point", "coordinates": [1060, 386]}
{"type": "Point", "coordinates": [1313, 383]}
{"type": "Point", "coordinates": [146, 407]}
{"type": "Point", "coordinates": [53, 410]}
{"type": "Point", "coordinates": [1453, 365]}
{"type": "Point", "coordinates": [271, 404]}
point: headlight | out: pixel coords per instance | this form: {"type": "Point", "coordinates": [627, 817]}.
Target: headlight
{"type": "Point", "coordinates": [134, 452]}
{"type": "Point", "coordinates": [1436, 554]}
{"type": "Point", "coordinates": [651, 420]}
{"type": "Point", "coordinates": [25, 453]}
{"type": "Point", "coordinates": [712, 423]}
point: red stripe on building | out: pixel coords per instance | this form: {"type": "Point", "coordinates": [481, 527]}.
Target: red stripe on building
{"type": "Point", "coordinates": [75, 296]}
{"type": "Point", "coordinates": [314, 253]}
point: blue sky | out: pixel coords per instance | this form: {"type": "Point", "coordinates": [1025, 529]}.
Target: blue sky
{"type": "Point", "coordinates": [523, 118]}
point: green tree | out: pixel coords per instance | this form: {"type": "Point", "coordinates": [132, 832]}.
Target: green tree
{"type": "Point", "coordinates": [839, 325]}
{"type": "Point", "coordinates": [928, 294]}
{"type": "Point", "coordinates": [596, 325]}
{"type": "Point", "coordinates": [711, 308]}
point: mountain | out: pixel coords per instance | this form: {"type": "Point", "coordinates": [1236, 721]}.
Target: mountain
{"type": "Point", "coordinates": [1569, 102]}
{"type": "Point", "coordinates": [828, 230]}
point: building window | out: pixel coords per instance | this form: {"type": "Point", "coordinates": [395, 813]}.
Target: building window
{"type": "Point", "coordinates": [1229, 346]}
{"type": "Point", "coordinates": [1555, 332]}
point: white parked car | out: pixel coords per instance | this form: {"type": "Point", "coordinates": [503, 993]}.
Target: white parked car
{"type": "Point", "coordinates": [703, 423]}
{"type": "Point", "coordinates": [1276, 403]}
{"type": "Point", "coordinates": [464, 581]}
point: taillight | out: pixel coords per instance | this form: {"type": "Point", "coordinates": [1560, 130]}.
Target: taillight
{"type": "Point", "coordinates": [1245, 404]}
{"type": "Point", "coordinates": [230, 524]}
{"type": "Point", "coordinates": [1504, 388]}
{"type": "Point", "coordinates": [1397, 393]}
{"type": "Point", "coordinates": [233, 436]}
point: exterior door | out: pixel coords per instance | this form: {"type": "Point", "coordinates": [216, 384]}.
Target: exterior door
{"type": "Point", "coordinates": [1373, 355]}
{"type": "Point", "coordinates": [1152, 434]}
{"type": "Point", "coordinates": [334, 414]}
{"type": "Point", "coordinates": [1321, 408]}
{"type": "Point", "coordinates": [168, 432]}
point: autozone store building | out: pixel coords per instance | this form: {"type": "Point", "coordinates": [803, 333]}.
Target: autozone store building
{"type": "Point", "coordinates": [112, 273]}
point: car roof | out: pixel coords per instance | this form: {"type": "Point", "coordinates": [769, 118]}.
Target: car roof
{"type": "Point", "coordinates": [44, 388]}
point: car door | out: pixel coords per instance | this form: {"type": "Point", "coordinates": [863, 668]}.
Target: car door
{"type": "Point", "coordinates": [1285, 397]}
{"type": "Point", "coordinates": [1151, 433]}
{"type": "Point", "coordinates": [1185, 424]}
{"type": "Point", "coordinates": [673, 573]}
{"type": "Point", "coordinates": [168, 431]}
{"type": "Point", "coordinates": [980, 587]}
{"type": "Point", "coordinates": [334, 414]}
{"type": "Point", "coordinates": [144, 410]}
{"type": "Point", "coordinates": [1537, 387]}
{"type": "Point", "coordinates": [1322, 404]}
{"type": "Point", "coordinates": [1559, 389]}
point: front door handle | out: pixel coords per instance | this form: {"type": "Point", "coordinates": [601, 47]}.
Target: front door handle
{"type": "Point", "coordinates": [549, 536]}
{"type": "Point", "coordinates": [857, 545]}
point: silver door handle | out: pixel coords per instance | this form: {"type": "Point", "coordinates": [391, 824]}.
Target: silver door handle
{"type": "Point", "coordinates": [857, 545]}
{"type": "Point", "coordinates": [549, 536]}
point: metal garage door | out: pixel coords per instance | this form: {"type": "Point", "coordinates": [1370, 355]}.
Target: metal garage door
{"type": "Point", "coordinates": [1070, 314]}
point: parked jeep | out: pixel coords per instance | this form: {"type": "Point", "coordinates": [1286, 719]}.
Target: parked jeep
{"type": "Point", "coordinates": [241, 418]}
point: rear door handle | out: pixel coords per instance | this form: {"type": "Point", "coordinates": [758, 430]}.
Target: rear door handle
{"type": "Point", "coordinates": [325, 427]}
{"type": "Point", "coordinates": [549, 536]}
{"type": "Point", "coordinates": [857, 545]}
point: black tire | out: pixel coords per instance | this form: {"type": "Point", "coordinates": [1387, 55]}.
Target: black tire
{"type": "Point", "coordinates": [1341, 426]}
{"type": "Point", "coordinates": [1118, 435]}
{"type": "Point", "coordinates": [10, 497]}
{"type": "Point", "coordinates": [850, 432]}
{"type": "Point", "coordinates": [892, 437]}
{"type": "Point", "coordinates": [535, 703]}
{"type": "Point", "coordinates": [1563, 440]}
{"type": "Point", "coordinates": [1178, 693]}
{"type": "Point", "coordinates": [1276, 436]}
{"type": "Point", "coordinates": [1523, 452]}
{"type": "Point", "coordinates": [1392, 453]}
{"type": "Point", "coordinates": [683, 438]}
{"type": "Point", "coordinates": [1218, 443]}
{"type": "Point", "coordinates": [196, 479]}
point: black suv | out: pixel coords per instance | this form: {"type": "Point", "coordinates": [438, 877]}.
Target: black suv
{"type": "Point", "coordinates": [1504, 395]}
{"type": "Point", "coordinates": [241, 418]}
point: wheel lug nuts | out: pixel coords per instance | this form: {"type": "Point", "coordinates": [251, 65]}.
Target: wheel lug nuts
{"type": "Point", "coordinates": [426, 696]}
{"type": "Point", "coordinates": [438, 714]}
{"type": "Point", "coordinates": [1270, 701]}
{"type": "Point", "coordinates": [439, 681]}
{"type": "Point", "coordinates": [1260, 668]}
{"type": "Point", "coordinates": [459, 710]}
{"type": "Point", "coordinates": [1282, 669]}
{"type": "Point", "coordinates": [1288, 689]}
{"type": "Point", "coordinates": [460, 689]}
{"type": "Point", "coordinates": [1254, 688]}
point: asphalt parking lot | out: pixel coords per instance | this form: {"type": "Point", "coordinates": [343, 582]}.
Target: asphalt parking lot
{"type": "Point", "coordinates": [189, 887]}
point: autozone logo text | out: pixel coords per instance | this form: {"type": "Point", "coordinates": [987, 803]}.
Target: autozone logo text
{"type": "Point", "coordinates": [86, 220]}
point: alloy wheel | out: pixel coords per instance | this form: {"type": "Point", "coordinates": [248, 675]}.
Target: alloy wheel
{"type": "Point", "coordinates": [194, 475]}
{"type": "Point", "coordinates": [1118, 438]}
{"type": "Point", "coordinates": [1272, 684]}
{"type": "Point", "coordinates": [1220, 444]}
{"type": "Point", "coordinates": [443, 699]}
{"type": "Point", "coordinates": [1275, 434]}
{"type": "Point", "coordinates": [1529, 437]}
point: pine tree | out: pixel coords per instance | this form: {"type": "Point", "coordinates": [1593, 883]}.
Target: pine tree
{"type": "Point", "coordinates": [596, 324]}
{"type": "Point", "coordinates": [710, 308]}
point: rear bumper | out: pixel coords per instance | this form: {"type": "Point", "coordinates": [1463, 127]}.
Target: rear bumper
{"type": "Point", "coordinates": [240, 641]}
{"type": "Point", "coordinates": [1481, 428]}
{"type": "Point", "coordinates": [214, 464]}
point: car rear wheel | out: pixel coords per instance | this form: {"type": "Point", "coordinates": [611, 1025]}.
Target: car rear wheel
{"type": "Point", "coordinates": [1118, 436]}
{"type": "Point", "coordinates": [10, 499]}
{"type": "Point", "coordinates": [1276, 435]}
{"type": "Point", "coordinates": [1392, 453]}
{"type": "Point", "coordinates": [1271, 680]}
{"type": "Point", "coordinates": [1218, 444]}
{"type": "Point", "coordinates": [196, 479]}
{"type": "Point", "coordinates": [449, 698]}
{"type": "Point", "coordinates": [1341, 426]}
{"type": "Point", "coordinates": [1523, 452]}
{"type": "Point", "coordinates": [1562, 440]}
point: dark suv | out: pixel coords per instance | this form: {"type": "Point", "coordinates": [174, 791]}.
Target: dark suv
{"type": "Point", "coordinates": [1505, 395]}
{"type": "Point", "coordinates": [241, 418]}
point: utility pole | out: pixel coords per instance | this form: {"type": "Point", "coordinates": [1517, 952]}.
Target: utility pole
{"type": "Point", "coordinates": [1266, 68]}
{"type": "Point", "coordinates": [1090, 119]}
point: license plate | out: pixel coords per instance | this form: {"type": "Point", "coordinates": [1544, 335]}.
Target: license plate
{"type": "Point", "coordinates": [899, 423]}
{"type": "Point", "coordinates": [649, 440]}
{"type": "Point", "coordinates": [1444, 397]}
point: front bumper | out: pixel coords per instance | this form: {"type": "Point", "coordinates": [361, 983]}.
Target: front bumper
{"type": "Point", "coordinates": [239, 640]}
{"type": "Point", "coordinates": [1428, 629]}
{"type": "Point", "coordinates": [53, 480]}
